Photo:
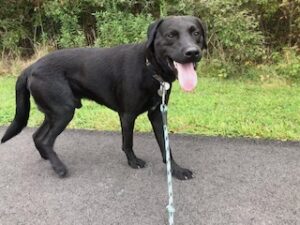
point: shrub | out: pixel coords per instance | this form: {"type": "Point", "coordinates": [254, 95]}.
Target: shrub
{"type": "Point", "coordinates": [233, 31]}
{"type": "Point", "coordinates": [118, 27]}
{"type": "Point", "coordinates": [289, 66]}
{"type": "Point", "coordinates": [66, 18]}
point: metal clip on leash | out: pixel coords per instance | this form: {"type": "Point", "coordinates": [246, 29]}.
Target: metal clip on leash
{"type": "Point", "coordinates": [164, 86]}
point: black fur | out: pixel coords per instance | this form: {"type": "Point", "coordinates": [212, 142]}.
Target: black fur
{"type": "Point", "coordinates": [22, 108]}
{"type": "Point", "coordinates": [116, 77]}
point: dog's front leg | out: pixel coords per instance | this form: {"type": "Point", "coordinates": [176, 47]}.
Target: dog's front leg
{"type": "Point", "coordinates": [127, 124]}
{"type": "Point", "coordinates": [155, 118]}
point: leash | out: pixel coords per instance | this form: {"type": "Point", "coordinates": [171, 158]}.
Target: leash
{"type": "Point", "coordinates": [164, 86]}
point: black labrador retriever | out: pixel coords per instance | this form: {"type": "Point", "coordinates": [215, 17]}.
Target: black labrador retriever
{"type": "Point", "coordinates": [125, 78]}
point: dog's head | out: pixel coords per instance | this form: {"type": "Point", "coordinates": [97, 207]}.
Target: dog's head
{"type": "Point", "coordinates": [176, 44]}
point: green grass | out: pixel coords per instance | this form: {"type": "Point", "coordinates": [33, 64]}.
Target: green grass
{"type": "Point", "coordinates": [217, 107]}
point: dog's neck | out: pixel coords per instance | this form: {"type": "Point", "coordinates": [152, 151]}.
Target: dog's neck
{"type": "Point", "coordinates": [159, 72]}
{"type": "Point", "coordinates": [154, 73]}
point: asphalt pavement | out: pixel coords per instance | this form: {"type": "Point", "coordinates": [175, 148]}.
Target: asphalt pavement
{"type": "Point", "coordinates": [237, 182]}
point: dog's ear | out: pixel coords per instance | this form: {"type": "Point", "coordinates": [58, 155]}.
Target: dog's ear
{"type": "Point", "coordinates": [152, 30]}
{"type": "Point", "coordinates": [204, 31]}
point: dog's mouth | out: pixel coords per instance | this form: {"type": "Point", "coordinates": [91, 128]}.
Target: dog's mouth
{"type": "Point", "coordinates": [186, 73]}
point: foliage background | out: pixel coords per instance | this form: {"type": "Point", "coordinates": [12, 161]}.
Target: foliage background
{"type": "Point", "coordinates": [247, 38]}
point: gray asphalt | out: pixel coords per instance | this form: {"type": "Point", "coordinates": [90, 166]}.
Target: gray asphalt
{"type": "Point", "coordinates": [237, 182]}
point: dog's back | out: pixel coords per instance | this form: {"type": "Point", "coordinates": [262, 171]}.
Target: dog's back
{"type": "Point", "coordinates": [94, 73]}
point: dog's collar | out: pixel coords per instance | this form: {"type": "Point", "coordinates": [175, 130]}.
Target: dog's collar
{"type": "Point", "coordinates": [152, 69]}
{"type": "Point", "coordinates": [164, 85]}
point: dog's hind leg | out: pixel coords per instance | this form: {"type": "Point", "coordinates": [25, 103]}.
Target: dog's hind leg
{"type": "Point", "coordinates": [57, 102]}
{"type": "Point", "coordinates": [58, 121]}
{"type": "Point", "coordinates": [127, 124]}
{"type": "Point", "coordinates": [38, 135]}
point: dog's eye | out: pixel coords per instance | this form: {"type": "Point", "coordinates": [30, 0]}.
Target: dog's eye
{"type": "Point", "coordinates": [196, 33]}
{"type": "Point", "coordinates": [171, 35]}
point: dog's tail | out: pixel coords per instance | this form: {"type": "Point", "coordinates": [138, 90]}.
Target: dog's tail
{"type": "Point", "coordinates": [22, 107]}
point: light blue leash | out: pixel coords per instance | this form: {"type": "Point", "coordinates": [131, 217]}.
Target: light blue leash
{"type": "Point", "coordinates": [164, 86]}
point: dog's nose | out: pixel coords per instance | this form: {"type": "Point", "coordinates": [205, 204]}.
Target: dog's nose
{"type": "Point", "coordinates": [192, 53]}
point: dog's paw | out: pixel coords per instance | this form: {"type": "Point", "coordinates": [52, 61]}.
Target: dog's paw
{"type": "Point", "coordinates": [60, 169]}
{"type": "Point", "coordinates": [181, 173]}
{"type": "Point", "coordinates": [136, 163]}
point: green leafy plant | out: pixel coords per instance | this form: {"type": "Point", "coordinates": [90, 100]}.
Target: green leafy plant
{"type": "Point", "coordinates": [66, 15]}
{"type": "Point", "coordinates": [289, 66]}
{"type": "Point", "coordinates": [118, 27]}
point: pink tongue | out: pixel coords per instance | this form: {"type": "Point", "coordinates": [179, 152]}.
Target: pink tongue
{"type": "Point", "coordinates": [186, 75]}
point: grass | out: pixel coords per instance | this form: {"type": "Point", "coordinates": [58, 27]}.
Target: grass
{"type": "Point", "coordinates": [217, 107]}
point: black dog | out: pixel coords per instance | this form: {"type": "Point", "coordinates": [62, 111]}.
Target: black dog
{"type": "Point", "coordinates": [121, 78]}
